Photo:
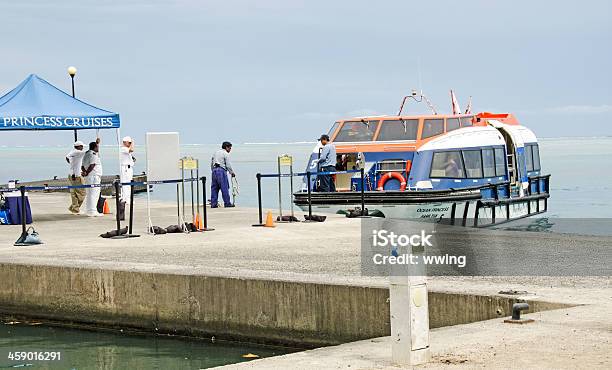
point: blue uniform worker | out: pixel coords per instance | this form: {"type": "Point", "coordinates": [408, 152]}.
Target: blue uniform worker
{"type": "Point", "coordinates": [327, 163]}
{"type": "Point", "coordinates": [220, 166]}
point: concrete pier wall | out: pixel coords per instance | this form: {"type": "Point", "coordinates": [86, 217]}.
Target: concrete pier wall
{"type": "Point", "coordinates": [267, 311]}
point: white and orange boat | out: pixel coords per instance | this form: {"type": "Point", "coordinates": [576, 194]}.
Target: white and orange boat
{"type": "Point", "coordinates": [472, 169]}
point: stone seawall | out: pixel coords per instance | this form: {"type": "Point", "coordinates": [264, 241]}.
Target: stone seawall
{"type": "Point", "coordinates": [267, 311]}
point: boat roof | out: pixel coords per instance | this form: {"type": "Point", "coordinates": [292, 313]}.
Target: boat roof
{"type": "Point", "coordinates": [507, 118]}
{"type": "Point", "coordinates": [478, 122]}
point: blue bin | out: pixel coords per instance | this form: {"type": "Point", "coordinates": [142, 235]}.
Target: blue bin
{"type": "Point", "coordinates": [14, 207]}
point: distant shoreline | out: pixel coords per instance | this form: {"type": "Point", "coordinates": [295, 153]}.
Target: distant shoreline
{"type": "Point", "coordinates": [277, 143]}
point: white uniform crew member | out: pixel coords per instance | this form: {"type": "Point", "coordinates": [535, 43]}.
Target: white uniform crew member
{"type": "Point", "coordinates": [127, 167]}
{"type": "Point", "coordinates": [92, 171]}
{"type": "Point", "coordinates": [75, 160]}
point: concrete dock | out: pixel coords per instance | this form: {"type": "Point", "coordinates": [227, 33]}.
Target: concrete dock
{"type": "Point", "coordinates": [297, 284]}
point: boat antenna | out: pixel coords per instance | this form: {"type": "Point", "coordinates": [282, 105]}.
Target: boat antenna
{"type": "Point", "coordinates": [429, 104]}
{"type": "Point", "coordinates": [420, 77]}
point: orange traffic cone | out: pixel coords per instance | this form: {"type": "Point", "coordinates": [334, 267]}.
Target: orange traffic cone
{"type": "Point", "coordinates": [197, 223]}
{"type": "Point", "coordinates": [269, 220]}
{"type": "Point", "coordinates": [106, 209]}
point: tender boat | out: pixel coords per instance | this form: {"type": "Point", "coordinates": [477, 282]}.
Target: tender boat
{"type": "Point", "coordinates": [471, 169]}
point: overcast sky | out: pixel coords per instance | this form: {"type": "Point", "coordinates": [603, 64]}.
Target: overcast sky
{"type": "Point", "coordinates": [263, 71]}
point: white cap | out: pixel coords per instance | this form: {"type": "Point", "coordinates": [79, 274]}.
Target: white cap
{"type": "Point", "coordinates": [78, 143]}
{"type": "Point", "coordinates": [128, 139]}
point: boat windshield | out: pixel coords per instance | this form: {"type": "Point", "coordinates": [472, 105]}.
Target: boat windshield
{"type": "Point", "coordinates": [353, 131]}
{"type": "Point", "coordinates": [331, 131]}
{"type": "Point", "coordinates": [398, 130]}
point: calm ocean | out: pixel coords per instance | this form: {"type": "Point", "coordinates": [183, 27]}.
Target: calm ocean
{"type": "Point", "coordinates": [581, 181]}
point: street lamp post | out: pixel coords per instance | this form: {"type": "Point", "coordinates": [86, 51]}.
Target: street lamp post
{"type": "Point", "coordinates": [72, 72]}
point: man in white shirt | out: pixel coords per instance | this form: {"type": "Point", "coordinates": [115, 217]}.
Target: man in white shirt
{"type": "Point", "coordinates": [126, 173]}
{"type": "Point", "coordinates": [92, 171]}
{"type": "Point", "coordinates": [75, 160]}
{"type": "Point", "coordinates": [221, 166]}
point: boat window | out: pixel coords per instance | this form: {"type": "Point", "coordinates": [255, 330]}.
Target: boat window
{"type": "Point", "coordinates": [500, 162]}
{"type": "Point", "coordinates": [447, 164]}
{"type": "Point", "coordinates": [398, 130]}
{"type": "Point", "coordinates": [331, 131]}
{"type": "Point", "coordinates": [488, 162]}
{"type": "Point", "coordinates": [466, 121]}
{"type": "Point", "coordinates": [392, 165]}
{"type": "Point", "coordinates": [529, 157]}
{"type": "Point", "coordinates": [357, 131]}
{"type": "Point", "coordinates": [473, 163]}
{"type": "Point", "coordinates": [452, 124]}
{"type": "Point", "coordinates": [536, 157]}
{"type": "Point", "coordinates": [432, 127]}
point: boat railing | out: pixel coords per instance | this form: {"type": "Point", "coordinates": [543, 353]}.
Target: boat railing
{"type": "Point", "coordinates": [539, 184]}
{"type": "Point", "coordinates": [537, 191]}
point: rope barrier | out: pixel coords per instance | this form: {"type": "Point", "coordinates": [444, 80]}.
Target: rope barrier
{"type": "Point", "coordinates": [306, 173]}
{"type": "Point", "coordinates": [116, 184]}
{"type": "Point", "coordinates": [330, 172]}
{"type": "Point", "coordinates": [105, 185]}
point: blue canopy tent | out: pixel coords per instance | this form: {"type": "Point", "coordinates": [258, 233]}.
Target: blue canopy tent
{"type": "Point", "coordinates": [35, 104]}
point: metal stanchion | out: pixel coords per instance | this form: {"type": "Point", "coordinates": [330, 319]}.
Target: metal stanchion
{"type": "Point", "coordinates": [259, 201]}
{"type": "Point", "coordinates": [291, 189]}
{"type": "Point", "coordinates": [129, 234]}
{"type": "Point", "coordinates": [25, 239]}
{"type": "Point", "coordinates": [117, 205]}
{"type": "Point", "coordinates": [309, 197]}
{"type": "Point", "coordinates": [198, 194]}
{"type": "Point", "coordinates": [178, 204]}
{"type": "Point", "coordinates": [280, 192]}
{"type": "Point", "coordinates": [22, 190]}
{"type": "Point", "coordinates": [364, 212]}
{"type": "Point", "coordinates": [182, 190]}
{"type": "Point", "coordinates": [204, 212]}
{"type": "Point", "coordinates": [192, 197]}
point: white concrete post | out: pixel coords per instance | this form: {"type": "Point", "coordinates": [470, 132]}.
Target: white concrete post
{"type": "Point", "coordinates": [409, 320]}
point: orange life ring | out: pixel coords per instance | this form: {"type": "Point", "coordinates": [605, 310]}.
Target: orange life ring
{"type": "Point", "coordinates": [391, 175]}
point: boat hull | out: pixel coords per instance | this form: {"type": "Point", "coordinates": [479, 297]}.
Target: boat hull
{"type": "Point", "coordinates": [465, 207]}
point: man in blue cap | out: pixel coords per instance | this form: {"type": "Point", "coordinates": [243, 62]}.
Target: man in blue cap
{"type": "Point", "coordinates": [327, 163]}
{"type": "Point", "coordinates": [220, 166]}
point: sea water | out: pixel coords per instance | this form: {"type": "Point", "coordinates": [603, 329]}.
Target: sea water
{"type": "Point", "coordinates": [82, 349]}
{"type": "Point", "coordinates": [581, 180]}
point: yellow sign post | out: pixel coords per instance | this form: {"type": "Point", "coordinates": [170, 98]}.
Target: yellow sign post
{"type": "Point", "coordinates": [285, 160]}
{"type": "Point", "coordinates": [188, 163]}
{"type": "Point", "coordinates": [191, 164]}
